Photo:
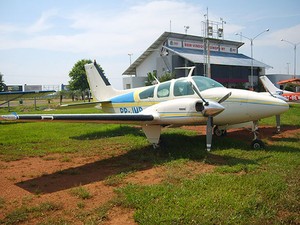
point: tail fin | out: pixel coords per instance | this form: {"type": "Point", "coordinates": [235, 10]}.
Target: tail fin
{"type": "Point", "coordinates": [100, 87]}
{"type": "Point", "coordinates": [269, 86]}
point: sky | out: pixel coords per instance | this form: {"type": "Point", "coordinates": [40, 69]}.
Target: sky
{"type": "Point", "coordinates": [41, 40]}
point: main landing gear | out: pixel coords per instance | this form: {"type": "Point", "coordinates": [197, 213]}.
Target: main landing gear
{"type": "Point", "coordinates": [256, 144]}
{"type": "Point", "coordinates": [219, 132]}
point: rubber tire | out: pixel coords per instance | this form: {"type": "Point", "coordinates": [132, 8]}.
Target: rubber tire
{"type": "Point", "coordinates": [219, 132]}
{"type": "Point", "coordinates": [257, 144]}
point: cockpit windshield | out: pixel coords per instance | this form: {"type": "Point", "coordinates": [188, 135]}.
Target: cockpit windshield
{"type": "Point", "coordinates": [204, 83]}
{"type": "Point", "coordinates": [181, 87]}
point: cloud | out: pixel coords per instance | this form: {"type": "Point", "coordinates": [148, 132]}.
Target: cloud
{"type": "Point", "coordinates": [43, 23]}
{"type": "Point", "coordinates": [7, 28]}
{"type": "Point", "coordinates": [291, 34]}
{"type": "Point", "coordinates": [273, 39]}
{"type": "Point", "coordinates": [108, 31]}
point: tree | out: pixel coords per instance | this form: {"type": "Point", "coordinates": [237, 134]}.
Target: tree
{"type": "Point", "coordinates": [2, 84]}
{"type": "Point", "coordinates": [78, 77]}
{"type": "Point", "coordinates": [150, 78]}
{"type": "Point", "coordinates": [166, 77]}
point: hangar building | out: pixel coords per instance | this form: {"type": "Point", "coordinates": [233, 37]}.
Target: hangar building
{"type": "Point", "coordinates": [172, 50]}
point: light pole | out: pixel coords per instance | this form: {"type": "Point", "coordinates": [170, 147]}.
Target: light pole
{"type": "Point", "coordinates": [186, 29]}
{"type": "Point", "coordinates": [251, 42]}
{"type": "Point", "coordinates": [130, 54]}
{"type": "Point", "coordinates": [288, 68]}
{"type": "Point", "coordinates": [295, 53]}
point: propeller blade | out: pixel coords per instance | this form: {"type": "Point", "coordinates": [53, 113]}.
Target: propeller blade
{"type": "Point", "coordinates": [278, 123]}
{"type": "Point", "coordinates": [224, 98]}
{"type": "Point", "coordinates": [210, 110]}
{"type": "Point", "coordinates": [195, 88]}
{"type": "Point", "coordinates": [209, 127]}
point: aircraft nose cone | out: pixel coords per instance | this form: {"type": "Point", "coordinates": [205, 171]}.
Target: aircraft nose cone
{"type": "Point", "coordinates": [283, 106]}
{"type": "Point", "coordinates": [262, 106]}
{"type": "Point", "coordinates": [213, 109]}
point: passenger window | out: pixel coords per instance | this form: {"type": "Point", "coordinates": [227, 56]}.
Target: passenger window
{"type": "Point", "coordinates": [148, 93]}
{"type": "Point", "coordinates": [182, 87]}
{"type": "Point", "coordinates": [163, 90]}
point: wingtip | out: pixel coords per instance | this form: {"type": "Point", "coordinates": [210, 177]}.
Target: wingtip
{"type": "Point", "coordinates": [12, 116]}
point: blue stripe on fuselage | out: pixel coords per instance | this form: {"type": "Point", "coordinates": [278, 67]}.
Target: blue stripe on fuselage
{"type": "Point", "coordinates": [123, 98]}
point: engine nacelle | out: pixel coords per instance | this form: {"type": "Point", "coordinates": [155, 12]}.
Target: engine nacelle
{"type": "Point", "coordinates": [178, 111]}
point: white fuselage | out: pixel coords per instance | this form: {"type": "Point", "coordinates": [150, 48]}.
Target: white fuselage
{"type": "Point", "coordinates": [242, 106]}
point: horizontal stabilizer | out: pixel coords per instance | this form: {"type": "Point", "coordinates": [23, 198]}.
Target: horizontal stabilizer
{"type": "Point", "coordinates": [11, 96]}
{"type": "Point", "coordinates": [83, 104]}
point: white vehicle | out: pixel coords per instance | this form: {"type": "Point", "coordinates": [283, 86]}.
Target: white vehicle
{"type": "Point", "coordinates": [192, 100]}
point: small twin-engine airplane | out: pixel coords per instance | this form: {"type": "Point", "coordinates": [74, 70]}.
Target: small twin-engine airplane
{"type": "Point", "coordinates": [191, 100]}
{"type": "Point", "coordinates": [273, 90]}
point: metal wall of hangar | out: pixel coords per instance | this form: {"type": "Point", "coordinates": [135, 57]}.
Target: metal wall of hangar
{"type": "Point", "coordinates": [227, 68]}
{"type": "Point", "coordinates": [173, 50]}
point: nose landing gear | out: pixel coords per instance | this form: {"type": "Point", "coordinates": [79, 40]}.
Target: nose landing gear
{"type": "Point", "coordinates": [256, 144]}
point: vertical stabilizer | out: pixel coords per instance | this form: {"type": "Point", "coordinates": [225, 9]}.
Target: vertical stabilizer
{"type": "Point", "coordinates": [100, 87]}
{"type": "Point", "coordinates": [269, 86]}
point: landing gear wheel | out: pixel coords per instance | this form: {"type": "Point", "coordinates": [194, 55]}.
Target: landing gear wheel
{"type": "Point", "coordinates": [257, 144]}
{"type": "Point", "coordinates": [155, 146]}
{"type": "Point", "coordinates": [219, 132]}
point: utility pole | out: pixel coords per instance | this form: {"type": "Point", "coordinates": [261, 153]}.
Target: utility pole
{"type": "Point", "coordinates": [295, 54]}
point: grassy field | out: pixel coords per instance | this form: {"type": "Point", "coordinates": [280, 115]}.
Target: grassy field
{"type": "Point", "coordinates": [244, 186]}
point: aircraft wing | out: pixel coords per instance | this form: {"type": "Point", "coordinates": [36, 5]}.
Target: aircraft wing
{"type": "Point", "coordinates": [103, 118]}
{"type": "Point", "coordinates": [10, 96]}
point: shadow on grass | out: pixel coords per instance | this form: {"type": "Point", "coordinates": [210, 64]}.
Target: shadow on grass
{"type": "Point", "coordinates": [282, 148]}
{"type": "Point", "coordinates": [110, 132]}
{"type": "Point", "coordinates": [174, 146]}
{"type": "Point", "coordinates": [242, 138]}
{"type": "Point", "coordinates": [2, 123]}
{"type": "Point", "coordinates": [286, 139]}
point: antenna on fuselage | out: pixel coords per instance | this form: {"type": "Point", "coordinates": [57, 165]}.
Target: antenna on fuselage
{"type": "Point", "coordinates": [191, 68]}
{"type": "Point", "coordinates": [155, 78]}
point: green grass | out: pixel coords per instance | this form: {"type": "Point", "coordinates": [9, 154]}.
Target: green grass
{"type": "Point", "coordinates": [25, 213]}
{"type": "Point", "coordinates": [208, 199]}
{"type": "Point", "coordinates": [2, 202]}
{"type": "Point", "coordinates": [81, 192]}
{"type": "Point", "coordinates": [38, 139]}
{"type": "Point", "coordinates": [115, 180]}
{"type": "Point", "coordinates": [245, 186]}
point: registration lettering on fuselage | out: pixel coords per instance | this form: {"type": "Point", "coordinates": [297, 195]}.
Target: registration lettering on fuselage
{"type": "Point", "coordinates": [135, 109]}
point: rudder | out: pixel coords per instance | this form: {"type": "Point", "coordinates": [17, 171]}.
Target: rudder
{"type": "Point", "coordinates": [100, 86]}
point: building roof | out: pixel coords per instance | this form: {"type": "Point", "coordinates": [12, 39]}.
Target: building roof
{"type": "Point", "coordinates": [218, 58]}
{"type": "Point", "coordinates": [293, 81]}
{"type": "Point", "coordinates": [132, 68]}
{"type": "Point", "coordinates": [196, 56]}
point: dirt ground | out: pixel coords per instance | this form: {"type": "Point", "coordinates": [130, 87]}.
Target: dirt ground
{"type": "Point", "coordinates": [40, 179]}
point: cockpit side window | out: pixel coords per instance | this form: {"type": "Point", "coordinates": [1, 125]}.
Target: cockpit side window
{"type": "Point", "coordinates": [163, 90]}
{"type": "Point", "coordinates": [148, 93]}
{"type": "Point", "coordinates": [182, 87]}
